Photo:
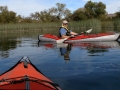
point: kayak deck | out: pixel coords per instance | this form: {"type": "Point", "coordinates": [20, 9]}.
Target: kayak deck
{"type": "Point", "coordinates": [28, 83]}
{"type": "Point", "coordinates": [24, 75]}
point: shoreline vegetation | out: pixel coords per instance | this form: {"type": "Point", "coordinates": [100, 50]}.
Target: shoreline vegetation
{"type": "Point", "coordinates": [92, 15]}
{"type": "Point", "coordinates": [78, 26]}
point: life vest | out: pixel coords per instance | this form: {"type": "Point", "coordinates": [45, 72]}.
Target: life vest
{"type": "Point", "coordinates": [67, 31]}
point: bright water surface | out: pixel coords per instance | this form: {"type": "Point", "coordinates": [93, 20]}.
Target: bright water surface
{"type": "Point", "coordinates": [92, 66]}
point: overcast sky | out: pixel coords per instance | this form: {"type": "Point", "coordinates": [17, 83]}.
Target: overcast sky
{"type": "Point", "coordinates": [26, 7]}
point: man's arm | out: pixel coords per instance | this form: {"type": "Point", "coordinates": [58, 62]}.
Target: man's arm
{"type": "Point", "coordinates": [73, 33]}
{"type": "Point", "coordinates": [64, 36]}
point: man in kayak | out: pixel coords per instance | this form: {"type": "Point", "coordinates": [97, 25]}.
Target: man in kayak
{"type": "Point", "coordinates": [64, 32]}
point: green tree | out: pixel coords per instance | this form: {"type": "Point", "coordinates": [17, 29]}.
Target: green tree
{"type": "Point", "coordinates": [62, 12]}
{"type": "Point", "coordinates": [117, 14]}
{"type": "Point", "coordinates": [79, 14]}
{"type": "Point", "coordinates": [45, 16]}
{"type": "Point", "coordinates": [3, 8]}
{"type": "Point", "coordinates": [67, 13]}
{"type": "Point", "coordinates": [94, 9]}
{"type": "Point", "coordinates": [27, 20]}
{"type": "Point", "coordinates": [52, 14]}
{"type": "Point", "coordinates": [7, 16]}
{"type": "Point", "coordinates": [12, 17]}
{"type": "Point", "coordinates": [60, 9]}
{"type": "Point", "coordinates": [35, 16]}
{"type": "Point", "coordinates": [19, 18]}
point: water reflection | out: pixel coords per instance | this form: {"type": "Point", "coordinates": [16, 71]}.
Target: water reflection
{"type": "Point", "coordinates": [65, 51]}
{"type": "Point", "coordinates": [6, 45]}
{"type": "Point", "coordinates": [62, 48]}
{"type": "Point", "coordinates": [92, 48]}
{"type": "Point", "coordinates": [97, 48]}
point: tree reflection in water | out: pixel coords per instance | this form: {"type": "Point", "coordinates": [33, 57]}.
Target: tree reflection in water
{"type": "Point", "coordinates": [6, 45]}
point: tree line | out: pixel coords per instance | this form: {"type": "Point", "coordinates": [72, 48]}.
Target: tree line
{"type": "Point", "coordinates": [96, 10]}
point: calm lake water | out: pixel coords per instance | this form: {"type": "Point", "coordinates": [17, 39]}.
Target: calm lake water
{"type": "Point", "coordinates": [91, 65]}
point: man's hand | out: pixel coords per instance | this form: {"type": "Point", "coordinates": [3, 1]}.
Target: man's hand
{"type": "Point", "coordinates": [72, 36]}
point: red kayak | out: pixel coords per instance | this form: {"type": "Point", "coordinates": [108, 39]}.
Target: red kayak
{"type": "Point", "coordinates": [81, 38]}
{"type": "Point", "coordinates": [25, 76]}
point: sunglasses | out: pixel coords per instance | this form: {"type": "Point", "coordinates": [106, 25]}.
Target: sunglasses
{"type": "Point", "coordinates": [65, 23]}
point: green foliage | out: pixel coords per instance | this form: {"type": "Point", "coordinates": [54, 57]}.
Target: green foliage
{"type": "Point", "coordinates": [116, 23]}
{"type": "Point", "coordinates": [117, 15]}
{"type": "Point", "coordinates": [62, 12]}
{"type": "Point", "coordinates": [91, 10]}
{"type": "Point", "coordinates": [111, 25]}
{"type": "Point", "coordinates": [7, 16]}
{"type": "Point", "coordinates": [27, 20]}
{"type": "Point", "coordinates": [45, 16]}
{"type": "Point", "coordinates": [83, 25]}
{"type": "Point", "coordinates": [94, 9]}
{"type": "Point", "coordinates": [29, 26]}
{"type": "Point", "coordinates": [60, 9]}
{"type": "Point", "coordinates": [79, 15]}
{"type": "Point", "coordinates": [52, 15]}
{"type": "Point", "coordinates": [107, 24]}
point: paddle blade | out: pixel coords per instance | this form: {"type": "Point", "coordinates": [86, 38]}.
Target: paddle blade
{"type": "Point", "coordinates": [88, 31]}
{"type": "Point", "coordinates": [61, 40]}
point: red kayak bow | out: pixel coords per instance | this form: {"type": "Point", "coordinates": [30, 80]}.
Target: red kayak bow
{"type": "Point", "coordinates": [25, 76]}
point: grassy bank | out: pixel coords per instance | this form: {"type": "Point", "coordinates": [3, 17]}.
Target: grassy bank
{"type": "Point", "coordinates": [76, 26]}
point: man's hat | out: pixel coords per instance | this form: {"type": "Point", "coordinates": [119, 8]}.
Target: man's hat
{"type": "Point", "coordinates": [65, 21]}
